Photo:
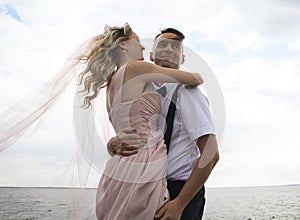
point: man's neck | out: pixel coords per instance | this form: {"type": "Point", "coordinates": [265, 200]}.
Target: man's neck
{"type": "Point", "coordinates": [160, 83]}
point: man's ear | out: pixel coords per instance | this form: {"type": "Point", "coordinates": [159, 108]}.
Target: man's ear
{"type": "Point", "coordinates": [151, 56]}
{"type": "Point", "coordinates": [182, 59]}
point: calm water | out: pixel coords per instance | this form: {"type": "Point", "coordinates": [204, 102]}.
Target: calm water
{"type": "Point", "coordinates": [281, 202]}
{"type": "Point", "coordinates": [277, 202]}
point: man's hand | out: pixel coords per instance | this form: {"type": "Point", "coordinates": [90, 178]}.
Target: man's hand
{"type": "Point", "coordinates": [126, 143]}
{"type": "Point", "coordinates": [170, 211]}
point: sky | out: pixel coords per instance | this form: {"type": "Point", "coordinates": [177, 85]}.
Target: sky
{"type": "Point", "coordinates": [252, 48]}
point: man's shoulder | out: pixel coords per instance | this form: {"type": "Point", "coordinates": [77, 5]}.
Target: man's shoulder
{"type": "Point", "coordinates": [173, 86]}
{"type": "Point", "coordinates": [187, 93]}
{"type": "Point", "coordinates": [193, 92]}
{"type": "Point", "coordinates": [191, 88]}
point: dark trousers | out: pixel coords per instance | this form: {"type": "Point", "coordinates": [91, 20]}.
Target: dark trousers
{"type": "Point", "coordinates": [194, 210]}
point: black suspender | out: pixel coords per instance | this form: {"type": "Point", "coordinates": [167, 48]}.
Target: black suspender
{"type": "Point", "coordinates": [170, 117]}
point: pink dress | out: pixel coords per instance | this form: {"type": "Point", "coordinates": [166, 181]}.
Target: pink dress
{"type": "Point", "coordinates": [134, 187]}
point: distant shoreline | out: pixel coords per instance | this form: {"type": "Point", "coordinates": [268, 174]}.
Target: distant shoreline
{"type": "Point", "coordinates": [224, 187]}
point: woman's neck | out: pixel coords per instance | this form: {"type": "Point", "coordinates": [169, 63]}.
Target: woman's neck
{"type": "Point", "coordinates": [123, 59]}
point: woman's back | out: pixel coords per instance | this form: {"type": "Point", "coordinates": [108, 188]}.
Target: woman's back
{"type": "Point", "coordinates": [140, 113]}
{"type": "Point", "coordinates": [134, 187]}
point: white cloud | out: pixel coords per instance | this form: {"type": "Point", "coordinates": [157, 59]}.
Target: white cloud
{"type": "Point", "coordinates": [247, 24]}
{"type": "Point", "coordinates": [262, 114]}
{"type": "Point", "coordinates": [29, 170]}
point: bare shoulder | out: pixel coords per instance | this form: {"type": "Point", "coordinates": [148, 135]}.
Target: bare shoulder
{"type": "Point", "coordinates": [140, 67]}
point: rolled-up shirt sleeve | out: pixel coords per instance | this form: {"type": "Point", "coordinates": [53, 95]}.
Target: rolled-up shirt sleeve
{"type": "Point", "coordinates": [195, 112]}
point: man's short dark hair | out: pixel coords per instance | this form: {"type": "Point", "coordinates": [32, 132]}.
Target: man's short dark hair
{"type": "Point", "coordinates": [173, 31]}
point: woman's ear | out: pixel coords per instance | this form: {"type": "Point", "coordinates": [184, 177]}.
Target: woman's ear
{"type": "Point", "coordinates": [122, 46]}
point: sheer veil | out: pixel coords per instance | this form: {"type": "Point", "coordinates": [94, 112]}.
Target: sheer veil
{"type": "Point", "coordinates": [23, 118]}
{"type": "Point", "coordinates": [92, 131]}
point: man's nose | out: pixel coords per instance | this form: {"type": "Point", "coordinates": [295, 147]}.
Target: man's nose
{"type": "Point", "coordinates": [169, 48]}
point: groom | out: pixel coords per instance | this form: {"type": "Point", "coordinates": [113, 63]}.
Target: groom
{"type": "Point", "coordinates": [193, 149]}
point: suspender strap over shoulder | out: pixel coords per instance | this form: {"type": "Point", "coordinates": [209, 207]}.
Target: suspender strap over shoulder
{"type": "Point", "coordinates": [170, 117]}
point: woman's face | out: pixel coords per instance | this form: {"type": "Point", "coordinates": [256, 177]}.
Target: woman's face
{"type": "Point", "coordinates": [133, 47]}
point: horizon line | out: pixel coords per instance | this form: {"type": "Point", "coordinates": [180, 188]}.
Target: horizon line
{"type": "Point", "coordinates": [215, 187]}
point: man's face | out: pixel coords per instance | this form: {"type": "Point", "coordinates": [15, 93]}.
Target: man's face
{"type": "Point", "coordinates": [167, 51]}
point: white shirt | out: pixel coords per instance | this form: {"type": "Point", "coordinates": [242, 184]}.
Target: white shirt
{"type": "Point", "coordinates": [192, 120]}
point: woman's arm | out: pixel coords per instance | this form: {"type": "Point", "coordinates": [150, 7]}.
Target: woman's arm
{"type": "Point", "coordinates": [148, 72]}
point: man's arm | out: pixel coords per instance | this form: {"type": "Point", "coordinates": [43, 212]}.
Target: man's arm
{"type": "Point", "coordinates": [202, 169]}
{"type": "Point", "coordinates": [206, 162]}
{"type": "Point", "coordinates": [126, 143]}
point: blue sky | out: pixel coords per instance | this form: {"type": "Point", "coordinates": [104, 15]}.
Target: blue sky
{"type": "Point", "coordinates": [253, 49]}
{"type": "Point", "coordinates": [10, 11]}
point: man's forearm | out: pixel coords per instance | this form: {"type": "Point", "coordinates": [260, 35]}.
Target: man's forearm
{"type": "Point", "coordinates": [202, 169]}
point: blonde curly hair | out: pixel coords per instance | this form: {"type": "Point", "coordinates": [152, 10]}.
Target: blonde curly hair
{"type": "Point", "coordinates": [102, 61]}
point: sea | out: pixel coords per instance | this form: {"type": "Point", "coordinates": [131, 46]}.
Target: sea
{"type": "Point", "coordinates": [232, 203]}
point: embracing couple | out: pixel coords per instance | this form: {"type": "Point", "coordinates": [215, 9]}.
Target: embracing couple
{"type": "Point", "coordinates": [165, 148]}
